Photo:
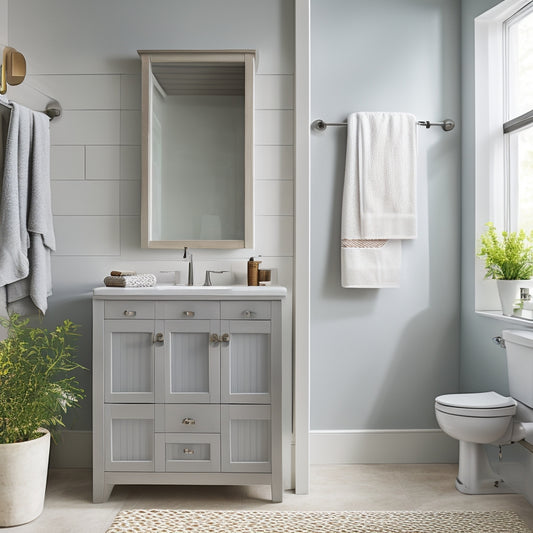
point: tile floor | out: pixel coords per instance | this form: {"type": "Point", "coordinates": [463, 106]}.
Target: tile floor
{"type": "Point", "coordinates": [68, 506]}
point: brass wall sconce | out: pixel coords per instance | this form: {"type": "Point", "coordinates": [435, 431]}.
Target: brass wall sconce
{"type": "Point", "coordinates": [13, 68]}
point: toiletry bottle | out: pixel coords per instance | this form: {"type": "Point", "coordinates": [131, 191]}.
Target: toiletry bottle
{"type": "Point", "coordinates": [253, 267]}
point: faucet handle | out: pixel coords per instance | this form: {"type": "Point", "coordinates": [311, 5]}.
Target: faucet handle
{"type": "Point", "coordinates": [207, 282]}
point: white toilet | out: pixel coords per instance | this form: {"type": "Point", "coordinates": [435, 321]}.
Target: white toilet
{"type": "Point", "coordinates": [489, 418]}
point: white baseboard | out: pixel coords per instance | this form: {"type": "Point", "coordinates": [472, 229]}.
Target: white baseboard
{"type": "Point", "coordinates": [74, 449]}
{"type": "Point", "coordinates": [382, 446]}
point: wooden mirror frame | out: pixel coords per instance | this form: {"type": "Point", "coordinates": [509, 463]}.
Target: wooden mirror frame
{"type": "Point", "coordinates": [243, 57]}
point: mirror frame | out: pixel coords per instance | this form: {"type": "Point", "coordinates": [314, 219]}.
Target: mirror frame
{"type": "Point", "coordinates": [245, 57]}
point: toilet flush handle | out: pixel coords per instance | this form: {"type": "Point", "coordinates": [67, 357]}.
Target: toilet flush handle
{"type": "Point", "coordinates": [499, 341]}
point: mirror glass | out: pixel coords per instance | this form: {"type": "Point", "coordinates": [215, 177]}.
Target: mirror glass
{"type": "Point", "coordinates": [197, 149]}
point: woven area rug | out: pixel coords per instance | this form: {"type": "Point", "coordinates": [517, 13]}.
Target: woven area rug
{"type": "Point", "coordinates": [170, 521]}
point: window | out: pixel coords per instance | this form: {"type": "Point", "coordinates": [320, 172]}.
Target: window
{"type": "Point", "coordinates": [518, 125]}
{"type": "Point", "coordinates": [504, 126]}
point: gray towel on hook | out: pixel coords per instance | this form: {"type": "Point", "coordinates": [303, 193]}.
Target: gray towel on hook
{"type": "Point", "coordinates": [29, 295]}
{"type": "Point", "coordinates": [14, 239]}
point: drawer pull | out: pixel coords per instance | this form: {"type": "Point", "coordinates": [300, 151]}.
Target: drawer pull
{"type": "Point", "coordinates": [189, 314]}
{"type": "Point", "coordinates": [214, 338]}
{"type": "Point", "coordinates": [188, 421]}
{"type": "Point", "coordinates": [159, 337]}
{"type": "Point", "coordinates": [225, 337]}
{"type": "Point", "coordinates": [188, 451]}
{"type": "Point", "coordinates": [248, 313]}
{"type": "Point", "coordinates": [130, 313]}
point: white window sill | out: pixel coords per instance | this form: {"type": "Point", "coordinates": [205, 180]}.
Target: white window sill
{"type": "Point", "coordinates": [497, 315]}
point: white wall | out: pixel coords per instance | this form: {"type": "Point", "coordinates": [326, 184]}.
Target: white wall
{"type": "Point", "coordinates": [379, 357]}
{"type": "Point", "coordinates": [84, 54]}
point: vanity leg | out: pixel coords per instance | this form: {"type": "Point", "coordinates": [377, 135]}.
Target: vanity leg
{"type": "Point", "coordinates": [277, 490]}
{"type": "Point", "coordinates": [102, 492]}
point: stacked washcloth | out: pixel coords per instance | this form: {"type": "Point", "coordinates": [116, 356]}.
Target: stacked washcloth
{"type": "Point", "coordinates": [130, 280]}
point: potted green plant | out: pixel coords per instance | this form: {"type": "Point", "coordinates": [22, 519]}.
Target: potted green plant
{"type": "Point", "coordinates": [508, 258]}
{"type": "Point", "coordinates": [37, 386]}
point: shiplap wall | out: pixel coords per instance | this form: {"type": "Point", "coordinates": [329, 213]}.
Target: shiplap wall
{"type": "Point", "coordinates": [95, 153]}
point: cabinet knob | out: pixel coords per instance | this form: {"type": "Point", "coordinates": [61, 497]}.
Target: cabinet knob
{"type": "Point", "coordinates": [189, 314]}
{"type": "Point", "coordinates": [248, 313]}
{"type": "Point", "coordinates": [188, 421]}
{"type": "Point", "coordinates": [130, 313]}
{"type": "Point", "coordinates": [159, 337]}
{"type": "Point", "coordinates": [214, 338]}
{"type": "Point", "coordinates": [225, 337]}
{"type": "Point", "coordinates": [188, 451]}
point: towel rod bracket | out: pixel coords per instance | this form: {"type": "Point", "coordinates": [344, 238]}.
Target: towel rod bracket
{"type": "Point", "coordinates": [53, 109]}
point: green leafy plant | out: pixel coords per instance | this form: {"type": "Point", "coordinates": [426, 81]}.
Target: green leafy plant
{"type": "Point", "coordinates": [508, 257]}
{"type": "Point", "coordinates": [37, 384]}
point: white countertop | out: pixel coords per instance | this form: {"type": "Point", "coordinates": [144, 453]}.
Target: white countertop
{"type": "Point", "coordinates": [167, 292]}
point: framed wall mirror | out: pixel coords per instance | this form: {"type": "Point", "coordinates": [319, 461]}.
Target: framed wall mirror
{"type": "Point", "coordinates": [197, 148]}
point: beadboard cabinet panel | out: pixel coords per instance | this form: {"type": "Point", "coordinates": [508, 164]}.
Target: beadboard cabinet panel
{"type": "Point", "coordinates": [129, 361]}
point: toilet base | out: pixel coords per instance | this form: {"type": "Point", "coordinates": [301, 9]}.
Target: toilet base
{"type": "Point", "coordinates": [475, 473]}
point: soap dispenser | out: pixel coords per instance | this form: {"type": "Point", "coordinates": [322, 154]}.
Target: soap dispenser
{"type": "Point", "coordinates": [253, 268]}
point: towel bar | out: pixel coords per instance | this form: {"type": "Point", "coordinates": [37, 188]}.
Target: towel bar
{"type": "Point", "coordinates": [447, 124]}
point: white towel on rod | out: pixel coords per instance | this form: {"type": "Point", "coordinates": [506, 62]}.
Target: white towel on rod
{"type": "Point", "coordinates": [379, 198]}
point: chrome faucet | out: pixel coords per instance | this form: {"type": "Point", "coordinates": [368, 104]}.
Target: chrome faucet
{"type": "Point", "coordinates": [190, 279]}
{"type": "Point", "coordinates": [207, 282]}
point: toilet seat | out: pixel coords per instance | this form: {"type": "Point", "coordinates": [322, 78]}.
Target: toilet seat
{"type": "Point", "coordinates": [477, 404]}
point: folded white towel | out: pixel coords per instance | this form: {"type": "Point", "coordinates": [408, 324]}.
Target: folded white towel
{"type": "Point", "coordinates": [379, 198]}
{"type": "Point", "coordinates": [137, 280]}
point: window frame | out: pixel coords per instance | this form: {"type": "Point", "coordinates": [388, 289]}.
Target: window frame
{"type": "Point", "coordinates": [494, 188]}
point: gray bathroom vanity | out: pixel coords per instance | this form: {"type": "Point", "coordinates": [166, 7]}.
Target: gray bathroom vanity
{"type": "Point", "coordinates": [187, 387]}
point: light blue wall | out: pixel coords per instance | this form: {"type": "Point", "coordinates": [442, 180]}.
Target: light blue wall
{"type": "Point", "coordinates": [483, 364]}
{"type": "Point", "coordinates": [379, 357]}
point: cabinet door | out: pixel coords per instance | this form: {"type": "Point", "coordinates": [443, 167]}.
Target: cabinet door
{"type": "Point", "coordinates": [191, 372]}
{"type": "Point", "coordinates": [129, 361]}
{"type": "Point", "coordinates": [129, 437]}
{"type": "Point", "coordinates": [245, 361]}
{"type": "Point", "coordinates": [246, 438]}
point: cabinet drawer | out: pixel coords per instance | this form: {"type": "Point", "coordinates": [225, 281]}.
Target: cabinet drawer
{"type": "Point", "coordinates": [187, 310]}
{"type": "Point", "coordinates": [129, 309]}
{"type": "Point", "coordinates": [192, 418]}
{"type": "Point", "coordinates": [191, 452]}
{"type": "Point", "coordinates": [246, 310]}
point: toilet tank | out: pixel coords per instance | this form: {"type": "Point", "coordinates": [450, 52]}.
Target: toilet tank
{"type": "Point", "coordinates": [519, 348]}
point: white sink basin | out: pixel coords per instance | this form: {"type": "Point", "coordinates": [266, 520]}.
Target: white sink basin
{"type": "Point", "coordinates": [197, 291]}
{"type": "Point", "coordinates": [187, 288]}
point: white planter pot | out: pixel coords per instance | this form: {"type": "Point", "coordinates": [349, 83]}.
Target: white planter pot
{"type": "Point", "coordinates": [509, 292]}
{"type": "Point", "coordinates": [23, 471]}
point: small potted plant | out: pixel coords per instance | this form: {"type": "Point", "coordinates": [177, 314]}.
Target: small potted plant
{"type": "Point", "coordinates": [37, 386]}
{"type": "Point", "coordinates": [507, 259]}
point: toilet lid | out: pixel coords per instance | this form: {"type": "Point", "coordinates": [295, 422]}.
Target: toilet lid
{"type": "Point", "coordinates": [476, 404]}
{"type": "Point", "coordinates": [476, 400]}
